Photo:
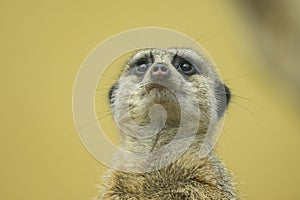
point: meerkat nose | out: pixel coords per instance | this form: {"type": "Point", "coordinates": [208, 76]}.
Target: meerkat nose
{"type": "Point", "coordinates": [160, 71]}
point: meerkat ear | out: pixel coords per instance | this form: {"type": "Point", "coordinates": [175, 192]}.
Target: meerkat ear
{"type": "Point", "coordinates": [111, 93]}
{"type": "Point", "coordinates": [227, 94]}
{"type": "Point", "coordinates": [223, 95]}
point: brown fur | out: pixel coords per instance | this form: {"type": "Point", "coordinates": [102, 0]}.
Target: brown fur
{"type": "Point", "coordinates": [187, 176]}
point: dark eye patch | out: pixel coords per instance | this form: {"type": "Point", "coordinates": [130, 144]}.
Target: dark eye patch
{"type": "Point", "coordinates": [184, 66]}
{"type": "Point", "coordinates": [145, 59]}
{"type": "Point", "coordinates": [140, 66]}
{"type": "Point", "coordinates": [142, 61]}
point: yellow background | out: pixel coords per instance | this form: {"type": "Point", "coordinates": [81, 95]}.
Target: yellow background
{"type": "Point", "coordinates": [43, 43]}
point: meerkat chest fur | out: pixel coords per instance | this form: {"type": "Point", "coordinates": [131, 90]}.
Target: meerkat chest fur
{"type": "Point", "coordinates": [158, 90]}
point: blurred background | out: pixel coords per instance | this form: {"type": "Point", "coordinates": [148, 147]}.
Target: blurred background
{"type": "Point", "coordinates": [255, 44]}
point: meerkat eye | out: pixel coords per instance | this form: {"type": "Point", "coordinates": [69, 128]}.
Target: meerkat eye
{"type": "Point", "coordinates": [141, 66]}
{"type": "Point", "coordinates": [187, 68]}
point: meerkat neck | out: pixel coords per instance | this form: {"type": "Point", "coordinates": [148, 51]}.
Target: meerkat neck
{"type": "Point", "coordinates": [161, 139]}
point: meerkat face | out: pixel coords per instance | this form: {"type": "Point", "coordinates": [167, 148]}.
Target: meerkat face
{"type": "Point", "coordinates": [161, 76]}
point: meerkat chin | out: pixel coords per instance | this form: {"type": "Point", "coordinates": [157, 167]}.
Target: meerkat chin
{"type": "Point", "coordinates": [177, 79]}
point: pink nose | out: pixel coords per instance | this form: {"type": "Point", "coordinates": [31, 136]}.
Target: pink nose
{"type": "Point", "coordinates": [160, 70]}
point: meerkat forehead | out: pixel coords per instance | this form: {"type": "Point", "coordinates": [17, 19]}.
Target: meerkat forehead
{"type": "Point", "coordinates": [168, 54]}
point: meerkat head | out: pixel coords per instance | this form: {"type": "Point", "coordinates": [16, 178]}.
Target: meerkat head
{"type": "Point", "coordinates": [161, 76]}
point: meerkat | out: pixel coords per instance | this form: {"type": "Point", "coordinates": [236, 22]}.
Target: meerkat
{"type": "Point", "coordinates": [176, 79]}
